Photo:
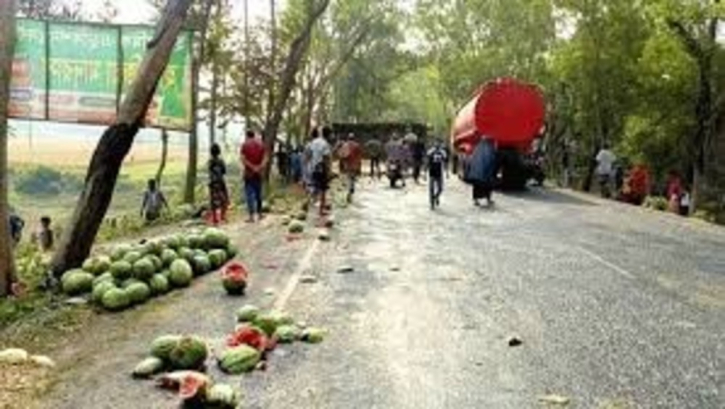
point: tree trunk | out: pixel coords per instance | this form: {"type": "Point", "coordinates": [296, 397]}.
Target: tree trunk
{"type": "Point", "coordinates": [212, 107]}
{"type": "Point", "coordinates": [272, 58]}
{"type": "Point", "coordinates": [164, 155]}
{"type": "Point", "coordinates": [246, 64]}
{"type": "Point", "coordinates": [192, 164]}
{"type": "Point", "coordinates": [7, 44]}
{"type": "Point", "coordinates": [116, 142]}
{"type": "Point", "coordinates": [297, 51]}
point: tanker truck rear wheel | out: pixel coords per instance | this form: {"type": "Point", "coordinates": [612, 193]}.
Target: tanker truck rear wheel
{"type": "Point", "coordinates": [514, 174]}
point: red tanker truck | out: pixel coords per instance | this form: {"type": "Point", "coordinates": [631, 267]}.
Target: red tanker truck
{"type": "Point", "coordinates": [512, 114]}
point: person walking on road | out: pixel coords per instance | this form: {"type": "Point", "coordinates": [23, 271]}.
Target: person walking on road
{"type": "Point", "coordinates": [318, 160]}
{"type": "Point", "coordinates": [417, 156]}
{"type": "Point", "coordinates": [218, 193]}
{"type": "Point", "coordinates": [481, 170]}
{"type": "Point", "coordinates": [254, 159]}
{"type": "Point", "coordinates": [374, 150]}
{"type": "Point", "coordinates": [351, 155]}
{"type": "Point", "coordinates": [605, 166]}
{"type": "Point", "coordinates": [437, 159]}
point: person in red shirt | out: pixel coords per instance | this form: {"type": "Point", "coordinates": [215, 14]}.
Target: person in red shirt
{"type": "Point", "coordinates": [351, 154]}
{"type": "Point", "coordinates": [254, 159]}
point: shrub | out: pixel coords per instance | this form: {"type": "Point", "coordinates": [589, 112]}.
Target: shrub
{"type": "Point", "coordinates": [44, 180]}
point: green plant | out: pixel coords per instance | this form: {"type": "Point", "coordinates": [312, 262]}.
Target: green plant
{"type": "Point", "coordinates": [46, 181]}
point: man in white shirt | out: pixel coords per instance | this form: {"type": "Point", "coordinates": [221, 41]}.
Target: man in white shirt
{"type": "Point", "coordinates": [605, 165]}
{"type": "Point", "coordinates": [318, 158]}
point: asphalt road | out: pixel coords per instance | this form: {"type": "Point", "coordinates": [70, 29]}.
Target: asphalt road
{"type": "Point", "coordinates": [617, 307]}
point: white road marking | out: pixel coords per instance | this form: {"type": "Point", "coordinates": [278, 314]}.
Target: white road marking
{"type": "Point", "coordinates": [613, 266]}
{"type": "Point", "coordinates": [303, 266]}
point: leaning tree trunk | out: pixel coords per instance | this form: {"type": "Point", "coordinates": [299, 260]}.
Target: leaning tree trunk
{"type": "Point", "coordinates": [7, 43]}
{"type": "Point", "coordinates": [116, 142]}
{"type": "Point", "coordinates": [164, 155]}
{"type": "Point", "coordinates": [297, 51]}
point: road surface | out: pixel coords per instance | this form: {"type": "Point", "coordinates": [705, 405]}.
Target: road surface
{"type": "Point", "coordinates": [616, 307]}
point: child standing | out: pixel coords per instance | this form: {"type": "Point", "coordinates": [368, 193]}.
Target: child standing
{"type": "Point", "coordinates": [218, 193]}
{"type": "Point", "coordinates": [153, 202]}
{"type": "Point", "coordinates": [46, 237]}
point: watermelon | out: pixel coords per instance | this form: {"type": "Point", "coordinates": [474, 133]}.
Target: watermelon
{"type": "Point", "coordinates": [201, 264]}
{"type": "Point", "coordinates": [193, 389]}
{"type": "Point", "coordinates": [196, 241]}
{"type": "Point", "coordinates": [144, 269]}
{"type": "Point", "coordinates": [232, 251]}
{"type": "Point", "coordinates": [183, 241]}
{"type": "Point", "coordinates": [287, 334]}
{"type": "Point", "coordinates": [239, 359]}
{"type": "Point", "coordinates": [100, 290]}
{"type": "Point", "coordinates": [132, 257]}
{"type": "Point", "coordinates": [269, 322]}
{"type": "Point", "coordinates": [162, 346]}
{"type": "Point", "coordinates": [247, 313]}
{"type": "Point", "coordinates": [296, 227]}
{"type": "Point", "coordinates": [148, 368]}
{"type": "Point", "coordinates": [107, 276]}
{"type": "Point", "coordinates": [181, 273]}
{"type": "Point", "coordinates": [120, 252]}
{"type": "Point", "coordinates": [138, 293]}
{"type": "Point", "coordinates": [301, 216]}
{"type": "Point", "coordinates": [217, 258]}
{"type": "Point", "coordinates": [313, 335]}
{"type": "Point", "coordinates": [215, 239]}
{"type": "Point", "coordinates": [234, 285]}
{"type": "Point", "coordinates": [168, 256]}
{"type": "Point", "coordinates": [189, 353]}
{"type": "Point", "coordinates": [223, 396]}
{"type": "Point", "coordinates": [186, 253]}
{"type": "Point", "coordinates": [121, 270]}
{"type": "Point", "coordinates": [159, 284]}
{"type": "Point", "coordinates": [97, 265]}
{"type": "Point", "coordinates": [115, 299]}
{"type": "Point", "coordinates": [152, 247]}
{"type": "Point", "coordinates": [128, 282]}
{"type": "Point", "coordinates": [77, 282]}
{"type": "Point", "coordinates": [156, 260]}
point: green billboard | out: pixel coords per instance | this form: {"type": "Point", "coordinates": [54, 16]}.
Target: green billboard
{"type": "Point", "coordinates": [71, 72]}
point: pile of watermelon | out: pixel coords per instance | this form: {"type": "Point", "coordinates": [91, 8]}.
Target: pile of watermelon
{"type": "Point", "coordinates": [132, 274]}
{"type": "Point", "coordinates": [259, 332]}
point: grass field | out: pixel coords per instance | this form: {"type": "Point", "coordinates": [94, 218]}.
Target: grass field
{"type": "Point", "coordinates": [73, 158]}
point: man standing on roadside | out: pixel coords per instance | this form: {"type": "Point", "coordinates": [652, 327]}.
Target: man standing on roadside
{"type": "Point", "coordinates": [351, 155]}
{"type": "Point", "coordinates": [605, 165]}
{"type": "Point", "coordinates": [254, 159]}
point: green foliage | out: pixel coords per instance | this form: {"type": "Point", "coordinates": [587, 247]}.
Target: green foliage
{"type": "Point", "coordinates": [46, 181]}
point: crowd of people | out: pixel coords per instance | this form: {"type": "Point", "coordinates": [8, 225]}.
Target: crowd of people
{"type": "Point", "coordinates": [633, 185]}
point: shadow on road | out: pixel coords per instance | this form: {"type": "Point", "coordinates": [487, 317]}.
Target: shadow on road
{"type": "Point", "coordinates": [547, 196]}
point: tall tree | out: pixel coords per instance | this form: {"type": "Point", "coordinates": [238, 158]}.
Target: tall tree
{"type": "Point", "coordinates": [696, 25]}
{"type": "Point", "coordinates": [295, 56]}
{"type": "Point", "coordinates": [200, 22]}
{"type": "Point", "coordinates": [116, 142]}
{"type": "Point", "coordinates": [7, 44]}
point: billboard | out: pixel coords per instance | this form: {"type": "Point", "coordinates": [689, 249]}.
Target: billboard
{"type": "Point", "coordinates": [75, 72]}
